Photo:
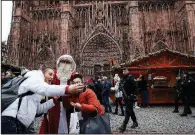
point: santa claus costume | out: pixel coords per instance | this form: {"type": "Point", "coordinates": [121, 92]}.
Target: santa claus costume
{"type": "Point", "coordinates": [57, 122]}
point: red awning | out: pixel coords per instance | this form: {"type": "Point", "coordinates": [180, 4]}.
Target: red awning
{"type": "Point", "coordinates": [160, 67]}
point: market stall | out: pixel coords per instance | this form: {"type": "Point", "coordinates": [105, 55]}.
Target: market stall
{"type": "Point", "coordinates": [160, 69]}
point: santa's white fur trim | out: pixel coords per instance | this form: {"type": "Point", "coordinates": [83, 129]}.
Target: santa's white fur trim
{"type": "Point", "coordinates": [67, 57]}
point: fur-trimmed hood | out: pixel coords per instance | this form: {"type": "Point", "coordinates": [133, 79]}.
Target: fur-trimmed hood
{"type": "Point", "coordinates": [69, 58]}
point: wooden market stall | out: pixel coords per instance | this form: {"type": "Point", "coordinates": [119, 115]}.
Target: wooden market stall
{"type": "Point", "coordinates": [160, 69]}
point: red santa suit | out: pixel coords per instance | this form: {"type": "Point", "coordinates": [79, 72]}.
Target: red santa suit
{"type": "Point", "coordinates": [58, 118]}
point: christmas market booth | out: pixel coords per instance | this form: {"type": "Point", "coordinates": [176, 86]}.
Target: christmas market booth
{"type": "Point", "coordinates": [160, 69]}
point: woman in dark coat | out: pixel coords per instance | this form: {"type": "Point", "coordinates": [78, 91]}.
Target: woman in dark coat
{"type": "Point", "coordinates": [144, 91]}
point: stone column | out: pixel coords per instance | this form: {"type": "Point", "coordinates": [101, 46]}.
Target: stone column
{"type": "Point", "coordinates": [185, 14]}
{"type": "Point", "coordinates": [18, 38]}
{"type": "Point", "coordinates": [66, 28]}
{"type": "Point", "coordinates": [190, 8]}
{"type": "Point", "coordinates": [134, 28]}
{"type": "Point", "coordinates": [134, 21]}
{"type": "Point", "coordinates": [14, 40]}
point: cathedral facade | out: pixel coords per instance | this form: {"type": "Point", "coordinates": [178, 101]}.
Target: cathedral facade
{"type": "Point", "coordinates": [96, 33]}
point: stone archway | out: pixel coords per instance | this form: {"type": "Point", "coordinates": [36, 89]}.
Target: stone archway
{"type": "Point", "coordinates": [45, 58]}
{"type": "Point", "coordinates": [159, 46]}
{"type": "Point", "coordinates": [99, 50]}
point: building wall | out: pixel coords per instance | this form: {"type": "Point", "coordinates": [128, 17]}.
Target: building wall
{"type": "Point", "coordinates": [4, 51]}
{"type": "Point", "coordinates": [190, 7]}
{"type": "Point", "coordinates": [157, 24]}
{"type": "Point", "coordinates": [43, 30]}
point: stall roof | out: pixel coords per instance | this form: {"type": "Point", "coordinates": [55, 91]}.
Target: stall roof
{"type": "Point", "coordinates": [104, 71]}
{"type": "Point", "coordinates": [157, 54]}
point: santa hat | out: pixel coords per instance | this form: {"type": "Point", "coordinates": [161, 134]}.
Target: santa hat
{"type": "Point", "coordinates": [89, 81]}
{"type": "Point", "coordinates": [68, 58]}
{"type": "Point", "coordinates": [75, 75]}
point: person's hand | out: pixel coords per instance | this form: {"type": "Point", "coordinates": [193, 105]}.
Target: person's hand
{"type": "Point", "coordinates": [73, 104]}
{"type": "Point", "coordinates": [74, 88]}
{"type": "Point", "coordinates": [76, 105]}
{"type": "Point", "coordinates": [112, 89]}
{"type": "Point", "coordinates": [56, 97]}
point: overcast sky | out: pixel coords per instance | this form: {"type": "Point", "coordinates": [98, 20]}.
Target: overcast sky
{"type": "Point", "coordinates": [6, 18]}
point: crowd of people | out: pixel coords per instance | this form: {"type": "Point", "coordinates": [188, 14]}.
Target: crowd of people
{"type": "Point", "coordinates": [56, 93]}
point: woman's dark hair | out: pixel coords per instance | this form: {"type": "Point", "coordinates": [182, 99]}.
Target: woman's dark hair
{"type": "Point", "coordinates": [77, 76]}
{"type": "Point", "coordinates": [46, 69]}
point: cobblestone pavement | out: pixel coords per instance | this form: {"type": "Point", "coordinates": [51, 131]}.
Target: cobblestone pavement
{"type": "Point", "coordinates": [153, 120]}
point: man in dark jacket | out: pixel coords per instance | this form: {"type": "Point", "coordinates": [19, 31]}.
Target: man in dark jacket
{"type": "Point", "coordinates": [98, 86]}
{"type": "Point", "coordinates": [128, 86]}
{"type": "Point", "coordinates": [187, 86]}
{"type": "Point", "coordinates": [178, 93]}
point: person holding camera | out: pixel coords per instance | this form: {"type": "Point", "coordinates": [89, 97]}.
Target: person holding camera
{"type": "Point", "coordinates": [94, 119]}
{"type": "Point", "coordinates": [128, 87]}
{"type": "Point", "coordinates": [85, 99]}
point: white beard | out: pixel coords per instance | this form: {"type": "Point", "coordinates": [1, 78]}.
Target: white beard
{"type": "Point", "coordinates": [64, 72]}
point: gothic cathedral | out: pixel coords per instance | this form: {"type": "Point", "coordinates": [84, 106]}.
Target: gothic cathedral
{"type": "Point", "coordinates": [98, 32]}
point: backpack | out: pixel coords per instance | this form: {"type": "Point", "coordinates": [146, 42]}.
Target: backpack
{"type": "Point", "coordinates": [9, 92]}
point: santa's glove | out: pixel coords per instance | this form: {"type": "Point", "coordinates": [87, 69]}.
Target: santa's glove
{"type": "Point", "coordinates": [56, 100]}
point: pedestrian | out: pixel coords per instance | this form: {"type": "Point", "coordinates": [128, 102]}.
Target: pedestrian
{"type": "Point", "coordinates": [91, 84]}
{"type": "Point", "coordinates": [128, 86]}
{"type": "Point", "coordinates": [118, 95]}
{"type": "Point", "coordinates": [14, 121]}
{"type": "Point", "coordinates": [142, 84]}
{"type": "Point", "coordinates": [98, 86]}
{"type": "Point", "coordinates": [178, 93]}
{"type": "Point", "coordinates": [105, 94]}
{"type": "Point", "coordinates": [187, 86]}
{"type": "Point", "coordinates": [85, 101]}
